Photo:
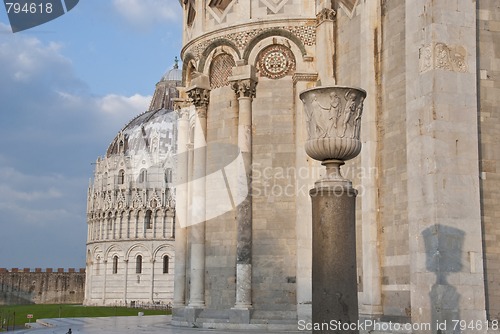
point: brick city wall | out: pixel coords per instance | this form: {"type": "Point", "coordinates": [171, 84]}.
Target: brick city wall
{"type": "Point", "coordinates": [49, 286]}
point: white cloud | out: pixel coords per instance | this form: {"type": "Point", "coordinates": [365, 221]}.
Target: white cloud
{"type": "Point", "coordinates": [144, 13]}
{"type": "Point", "coordinates": [131, 106]}
{"type": "Point", "coordinates": [52, 128]}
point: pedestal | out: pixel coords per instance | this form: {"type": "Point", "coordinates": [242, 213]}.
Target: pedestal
{"type": "Point", "coordinates": [334, 276]}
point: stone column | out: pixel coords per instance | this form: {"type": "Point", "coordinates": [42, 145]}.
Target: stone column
{"type": "Point", "coordinates": [199, 94]}
{"type": "Point", "coordinates": [244, 82]}
{"type": "Point", "coordinates": [125, 282]}
{"type": "Point", "coordinates": [332, 141]}
{"type": "Point", "coordinates": [104, 281]}
{"type": "Point", "coordinates": [325, 42]}
{"type": "Point", "coordinates": [370, 68]}
{"type": "Point", "coordinates": [181, 207]}
{"type": "Point", "coordinates": [306, 171]}
{"type": "Point", "coordinates": [153, 261]}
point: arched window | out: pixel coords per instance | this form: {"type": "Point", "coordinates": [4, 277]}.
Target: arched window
{"type": "Point", "coordinates": [121, 177]}
{"type": "Point", "coordinates": [147, 220]}
{"type": "Point", "coordinates": [138, 264]}
{"type": "Point", "coordinates": [121, 147]}
{"type": "Point", "coordinates": [115, 264]}
{"type": "Point", "coordinates": [165, 264]}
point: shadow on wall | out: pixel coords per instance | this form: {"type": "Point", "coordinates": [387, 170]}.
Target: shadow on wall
{"type": "Point", "coordinates": [443, 246]}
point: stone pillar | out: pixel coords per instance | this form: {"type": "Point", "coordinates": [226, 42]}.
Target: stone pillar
{"type": "Point", "coordinates": [371, 34]}
{"type": "Point", "coordinates": [104, 281]}
{"type": "Point", "coordinates": [181, 206]}
{"type": "Point", "coordinates": [325, 43]}
{"type": "Point", "coordinates": [153, 261]}
{"type": "Point", "coordinates": [125, 282]}
{"type": "Point", "coordinates": [444, 208]}
{"type": "Point", "coordinates": [199, 94]}
{"type": "Point", "coordinates": [304, 182]}
{"type": "Point", "coordinates": [334, 140]}
{"type": "Point", "coordinates": [244, 82]}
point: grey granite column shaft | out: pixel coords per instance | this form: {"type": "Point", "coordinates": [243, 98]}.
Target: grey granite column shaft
{"type": "Point", "coordinates": [244, 84]}
{"type": "Point", "coordinates": [334, 285]}
{"type": "Point", "coordinates": [246, 91]}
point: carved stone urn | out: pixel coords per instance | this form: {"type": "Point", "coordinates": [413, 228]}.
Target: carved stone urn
{"type": "Point", "coordinates": [333, 115]}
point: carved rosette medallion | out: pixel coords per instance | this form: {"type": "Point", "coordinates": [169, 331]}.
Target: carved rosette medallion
{"type": "Point", "coordinates": [276, 61]}
{"type": "Point", "coordinates": [333, 116]}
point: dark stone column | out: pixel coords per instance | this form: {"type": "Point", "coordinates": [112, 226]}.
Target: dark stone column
{"type": "Point", "coordinates": [334, 285]}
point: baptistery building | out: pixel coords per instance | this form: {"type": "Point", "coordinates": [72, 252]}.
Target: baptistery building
{"type": "Point", "coordinates": [131, 209]}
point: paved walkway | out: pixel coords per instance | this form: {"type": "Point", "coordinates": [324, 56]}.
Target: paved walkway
{"type": "Point", "coordinates": [122, 325]}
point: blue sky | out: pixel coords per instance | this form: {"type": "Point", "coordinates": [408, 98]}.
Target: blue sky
{"type": "Point", "coordinates": [66, 89]}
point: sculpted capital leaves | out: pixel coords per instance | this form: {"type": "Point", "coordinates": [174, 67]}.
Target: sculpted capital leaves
{"type": "Point", "coordinates": [245, 88]}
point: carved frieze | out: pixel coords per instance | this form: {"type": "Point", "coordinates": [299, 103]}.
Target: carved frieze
{"type": "Point", "coordinates": [442, 56]}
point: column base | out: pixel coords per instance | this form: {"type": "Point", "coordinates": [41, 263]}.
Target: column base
{"type": "Point", "coordinates": [371, 312]}
{"type": "Point", "coordinates": [240, 315]}
{"type": "Point", "coordinates": [192, 313]}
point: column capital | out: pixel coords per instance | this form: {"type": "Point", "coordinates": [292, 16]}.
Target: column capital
{"type": "Point", "coordinates": [244, 80]}
{"type": "Point", "coordinates": [180, 105]}
{"type": "Point", "coordinates": [199, 91]}
{"type": "Point", "coordinates": [244, 88]}
{"type": "Point", "coordinates": [326, 14]}
{"type": "Point", "coordinates": [199, 97]}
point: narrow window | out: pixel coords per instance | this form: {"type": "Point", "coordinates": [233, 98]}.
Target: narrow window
{"type": "Point", "coordinates": [168, 175]}
{"type": "Point", "coordinates": [115, 264]}
{"type": "Point", "coordinates": [121, 177]}
{"type": "Point", "coordinates": [147, 220]}
{"type": "Point", "coordinates": [143, 176]}
{"type": "Point", "coordinates": [138, 264]}
{"type": "Point", "coordinates": [165, 264]}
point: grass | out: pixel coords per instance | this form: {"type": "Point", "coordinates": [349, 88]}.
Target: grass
{"type": "Point", "coordinates": [40, 311]}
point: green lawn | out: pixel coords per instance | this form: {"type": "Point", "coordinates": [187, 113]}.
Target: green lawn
{"type": "Point", "coordinates": [63, 311]}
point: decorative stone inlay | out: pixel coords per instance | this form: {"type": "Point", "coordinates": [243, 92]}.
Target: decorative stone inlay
{"type": "Point", "coordinates": [274, 6]}
{"type": "Point", "coordinates": [275, 61]}
{"type": "Point", "coordinates": [306, 34]}
{"type": "Point", "coordinates": [311, 77]}
{"type": "Point", "coordinates": [333, 122]}
{"type": "Point", "coordinates": [219, 9]}
{"type": "Point", "coordinates": [441, 56]}
{"type": "Point", "coordinates": [220, 70]}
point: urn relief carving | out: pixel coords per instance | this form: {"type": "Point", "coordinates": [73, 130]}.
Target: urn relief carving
{"type": "Point", "coordinates": [333, 116]}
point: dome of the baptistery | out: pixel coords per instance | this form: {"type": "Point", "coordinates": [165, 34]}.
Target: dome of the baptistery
{"type": "Point", "coordinates": [174, 74]}
{"type": "Point", "coordinates": [152, 131]}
